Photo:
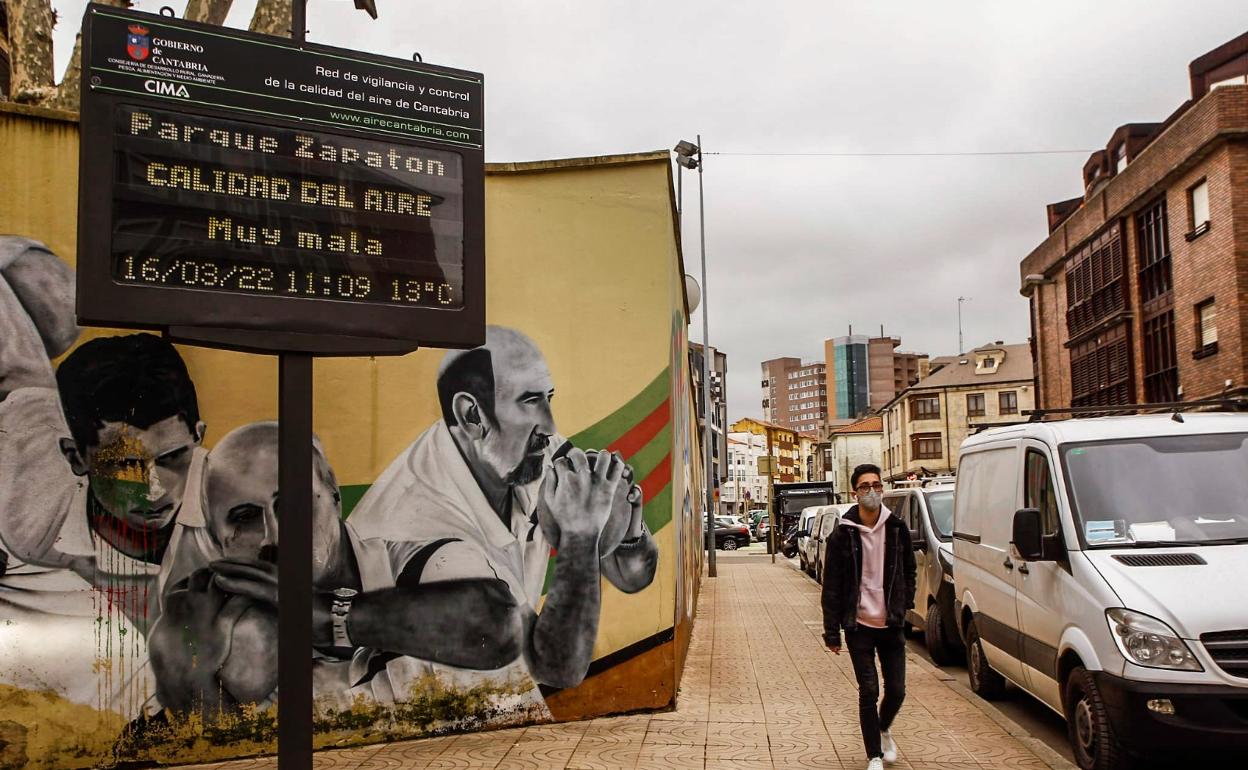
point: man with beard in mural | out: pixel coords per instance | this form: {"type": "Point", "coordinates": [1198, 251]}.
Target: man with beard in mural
{"type": "Point", "coordinates": [495, 485]}
{"type": "Point", "coordinates": [95, 476]}
{"type": "Point", "coordinates": [212, 650]}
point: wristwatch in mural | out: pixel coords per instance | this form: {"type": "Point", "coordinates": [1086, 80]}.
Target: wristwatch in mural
{"type": "Point", "coordinates": [338, 613]}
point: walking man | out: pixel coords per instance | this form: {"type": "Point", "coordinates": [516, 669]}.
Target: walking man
{"type": "Point", "coordinates": [868, 585]}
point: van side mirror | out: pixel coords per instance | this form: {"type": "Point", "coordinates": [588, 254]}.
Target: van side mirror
{"type": "Point", "coordinates": [803, 533]}
{"type": "Point", "coordinates": [1028, 538]}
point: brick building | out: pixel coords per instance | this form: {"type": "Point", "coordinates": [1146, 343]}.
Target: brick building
{"type": "Point", "coordinates": [795, 394]}
{"type": "Point", "coordinates": [1137, 295]}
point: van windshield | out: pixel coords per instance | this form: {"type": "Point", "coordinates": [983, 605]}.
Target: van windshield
{"type": "Point", "coordinates": [940, 505]}
{"type": "Point", "coordinates": [1161, 490]}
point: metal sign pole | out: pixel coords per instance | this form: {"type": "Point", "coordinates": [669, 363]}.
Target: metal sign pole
{"type": "Point", "coordinates": [294, 560]}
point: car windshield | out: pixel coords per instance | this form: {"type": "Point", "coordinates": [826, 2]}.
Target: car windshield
{"type": "Point", "coordinates": [1161, 490]}
{"type": "Point", "coordinates": [940, 505]}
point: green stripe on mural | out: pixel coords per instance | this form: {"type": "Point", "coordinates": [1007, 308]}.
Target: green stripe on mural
{"type": "Point", "coordinates": [619, 422]}
{"type": "Point", "coordinates": [658, 512]}
{"type": "Point", "coordinates": [351, 494]}
{"type": "Point", "coordinates": [648, 457]}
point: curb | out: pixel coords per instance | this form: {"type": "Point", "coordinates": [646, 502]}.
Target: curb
{"type": "Point", "coordinates": [1036, 746]}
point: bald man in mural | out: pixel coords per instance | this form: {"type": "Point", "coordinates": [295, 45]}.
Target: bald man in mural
{"type": "Point", "coordinates": [495, 486]}
{"type": "Point", "coordinates": [212, 650]}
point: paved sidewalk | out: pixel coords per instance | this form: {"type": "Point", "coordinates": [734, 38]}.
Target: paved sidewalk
{"type": "Point", "coordinates": [760, 691]}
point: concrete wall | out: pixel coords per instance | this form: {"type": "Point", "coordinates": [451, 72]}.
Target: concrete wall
{"type": "Point", "coordinates": [586, 291]}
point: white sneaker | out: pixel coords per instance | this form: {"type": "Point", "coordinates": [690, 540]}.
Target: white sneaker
{"type": "Point", "coordinates": [889, 747]}
{"type": "Point", "coordinates": [875, 764]}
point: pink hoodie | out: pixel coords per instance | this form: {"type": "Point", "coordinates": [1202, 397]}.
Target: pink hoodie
{"type": "Point", "coordinates": [872, 607]}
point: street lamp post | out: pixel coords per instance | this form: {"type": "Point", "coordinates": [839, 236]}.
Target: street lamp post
{"type": "Point", "coordinates": [689, 156]}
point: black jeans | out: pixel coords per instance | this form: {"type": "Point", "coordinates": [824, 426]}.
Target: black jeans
{"type": "Point", "coordinates": [863, 643]}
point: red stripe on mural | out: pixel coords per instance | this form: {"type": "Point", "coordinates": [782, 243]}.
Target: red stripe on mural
{"type": "Point", "coordinates": [659, 478]}
{"type": "Point", "coordinates": [640, 434]}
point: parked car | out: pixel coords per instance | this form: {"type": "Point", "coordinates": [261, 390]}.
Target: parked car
{"type": "Point", "coordinates": [733, 519]}
{"type": "Point", "coordinates": [1100, 565]}
{"type": "Point", "coordinates": [826, 522]}
{"type": "Point", "coordinates": [762, 530]}
{"type": "Point", "coordinates": [730, 536]}
{"type": "Point", "coordinates": [754, 517]}
{"type": "Point", "coordinates": [804, 525]}
{"type": "Point", "coordinates": [928, 512]}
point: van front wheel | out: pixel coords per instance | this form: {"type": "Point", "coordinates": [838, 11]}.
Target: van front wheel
{"type": "Point", "coordinates": [985, 682]}
{"type": "Point", "coordinates": [1092, 737]}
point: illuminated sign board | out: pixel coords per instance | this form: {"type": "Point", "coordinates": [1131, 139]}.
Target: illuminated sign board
{"type": "Point", "coordinates": [243, 182]}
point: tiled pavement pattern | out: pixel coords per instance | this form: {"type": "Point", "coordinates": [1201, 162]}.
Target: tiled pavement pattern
{"type": "Point", "coordinates": [760, 691]}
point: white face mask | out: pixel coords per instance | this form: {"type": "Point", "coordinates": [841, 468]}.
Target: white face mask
{"type": "Point", "coordinates": [871, 500]}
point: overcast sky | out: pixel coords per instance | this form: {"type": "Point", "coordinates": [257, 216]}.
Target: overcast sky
{"type": "Point", "coordinates": [798, 248]}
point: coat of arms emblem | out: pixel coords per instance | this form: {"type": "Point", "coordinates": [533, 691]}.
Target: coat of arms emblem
{"type": "Point", "coordinates": [137, 42]}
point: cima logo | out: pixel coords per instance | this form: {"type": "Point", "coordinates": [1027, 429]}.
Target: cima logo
{"type": "Point", "coordinates": [138, 45]}
{"type": "Point", "coordinates": [162, 88]}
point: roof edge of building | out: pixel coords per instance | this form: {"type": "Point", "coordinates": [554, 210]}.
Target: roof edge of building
{"type": "Point", "coordinates": [588, 161]}
{"type": "Point", "coordinates": [1040, 261]}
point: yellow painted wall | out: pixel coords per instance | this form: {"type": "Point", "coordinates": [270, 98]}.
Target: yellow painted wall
{"type": "Point", "coordinates": [581, 256]}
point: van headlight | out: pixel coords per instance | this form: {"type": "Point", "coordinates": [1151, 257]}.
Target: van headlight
{"type": "Point", "coordinates": [1147, 641]}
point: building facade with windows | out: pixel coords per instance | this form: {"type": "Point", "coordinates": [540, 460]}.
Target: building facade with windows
{"type": "Point", "coordinates": [1136, 295]}
{"type": "Point", "coordinates": [795, 394]}
{"type": "Point", "coordinates": [745, 487]}
{"type": "Point", "coordinates": [865, 373]}
{"type": "Point", "coordinates": [924, 425]}
{"type": "Point", "coordinates": [718, 369]}
{"type": "Point", "coordinates": [782, 443]}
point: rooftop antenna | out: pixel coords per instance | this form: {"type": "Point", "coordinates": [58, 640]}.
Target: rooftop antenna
{"type": "Point", "coordinates": [961, 348]}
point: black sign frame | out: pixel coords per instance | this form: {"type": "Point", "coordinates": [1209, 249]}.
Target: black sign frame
{"type": "Point", "coordinates": [247, 321]}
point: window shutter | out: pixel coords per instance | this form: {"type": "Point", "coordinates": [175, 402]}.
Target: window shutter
{"type": "Point", "coordinates": [1200, 204]}
{"type": "Point", "coordinates": [1208, 324]}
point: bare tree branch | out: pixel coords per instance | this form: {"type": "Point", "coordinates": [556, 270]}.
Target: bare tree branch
{"type": "Point", "coordinates": [30, 45]}
{"type": "Point", "coordinates": [67, 93]}
{"type": "Point", "coordinates": [208, 11]}
{"type": "Point", "coordinates": [272, 17]}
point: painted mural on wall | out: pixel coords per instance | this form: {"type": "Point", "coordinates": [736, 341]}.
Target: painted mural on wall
{"type": "Point", "coordinates": [138, 578]}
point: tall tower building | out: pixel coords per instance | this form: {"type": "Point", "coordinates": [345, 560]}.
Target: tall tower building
{"type": "Point", "coordinates": [865, 373]}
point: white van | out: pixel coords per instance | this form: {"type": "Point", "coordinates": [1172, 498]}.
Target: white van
{"type": "Point", "coordinates": [804, 524]}
{"type": "Point", "coordinates": [1102, 566]}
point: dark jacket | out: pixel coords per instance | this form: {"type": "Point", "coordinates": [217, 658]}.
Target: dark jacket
{"type": "Point", "coordinates": [842, 574]}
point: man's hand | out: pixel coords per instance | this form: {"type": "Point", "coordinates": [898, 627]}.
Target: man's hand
{"type": "Point", "coordinates": [254, 578]}
{"type": "Point", "coordinates": [580, 499]}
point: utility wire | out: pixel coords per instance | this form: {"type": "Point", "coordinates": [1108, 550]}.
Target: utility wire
{"type": "Point", "coordinates": [900, 154]}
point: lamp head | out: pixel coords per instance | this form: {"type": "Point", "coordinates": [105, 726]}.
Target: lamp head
{"type": "Point", "coordinates": [368, 6]}
{"type": "Point", "coordinates": [686, 149]}
{"type": "Point", "coordinates": [687, 161]}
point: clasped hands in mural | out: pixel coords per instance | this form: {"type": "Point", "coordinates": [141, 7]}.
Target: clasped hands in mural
{"type": "Point", "coordinates": [585, 498]}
